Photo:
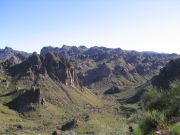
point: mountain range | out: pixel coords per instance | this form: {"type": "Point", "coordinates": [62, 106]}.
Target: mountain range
{"type": "Point", "coordinates": [78, 89]}
{"type": "Point", "coordinates": [100, 66]}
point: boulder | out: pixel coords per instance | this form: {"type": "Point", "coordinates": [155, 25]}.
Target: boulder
{"type": "Point", "coordinates": [56, 133]}
{"type": "Point", "coordinates": [112, 90]}
{"type": "Point", "coordinates": [69, 125]}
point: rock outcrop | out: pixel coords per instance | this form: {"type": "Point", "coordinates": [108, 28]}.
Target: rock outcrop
{"type": "Point", "coordinates": [112, 90]}
{"type": "Point", "coordinates": [71, 77]}
{"type": "Point", "coordinates": [167, 74]}
{"type": "Point", "coordinates": [25, 98]}
{"type": "Point", "coordinates": [69, 125]}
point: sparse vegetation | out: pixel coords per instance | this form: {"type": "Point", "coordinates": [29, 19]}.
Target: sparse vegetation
{"type": "Point", "coordinates": [151, 120]}
{"type": "Point", "coordinates": [42, 94]}
{"type": "Point", "coordinates": [160, 109]}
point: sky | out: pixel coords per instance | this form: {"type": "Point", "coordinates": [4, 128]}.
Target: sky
{"type": "Point", "coordinates": [142, 25]}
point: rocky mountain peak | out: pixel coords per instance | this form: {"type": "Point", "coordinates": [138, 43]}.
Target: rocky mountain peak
{"type": "Point", "coordinates": [82, 47]}
{"type": "Point", "coordinates": [8, 53]}
{"type": "Point", "coordinates": [51, 56]}
{"type": "Point", "coordinates": [58, 68]}
{"type": "Point", "coordinates": [8, 49]}
{"type": "Point", "coordinates": [35, 59]}
{"type": "Point", "coordinates": [66, 47]}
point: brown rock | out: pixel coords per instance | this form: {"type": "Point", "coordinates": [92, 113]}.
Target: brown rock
{"type": "Point", "coordinates": [43, 101]}
{"type": "Point", "coordinates": [56, 133]}
{"type": "Point", "coordinates": [27, 97]}
{"type": "Point", "coordinates": [71, 77]}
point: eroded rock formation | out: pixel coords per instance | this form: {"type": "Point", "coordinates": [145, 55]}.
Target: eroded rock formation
{"type": "Point", "coordinates": [58, 68]}
{"type": "Point", "coordinates": [71, 77]}
{"type": "Point", "coordinates": [25, 98]}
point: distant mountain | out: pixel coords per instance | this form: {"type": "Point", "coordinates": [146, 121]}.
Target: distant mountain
{"type": "Point", "coordinates": [102, 68]}
{"type": "Point", "coordinates": [16, 56]}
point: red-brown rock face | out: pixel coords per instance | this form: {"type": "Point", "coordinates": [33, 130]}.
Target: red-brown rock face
{"type": "Point", "coordinates": [52, 65]}
{"type": "Point", "coordinates": [58, 68]}
{"type": "Point", "coordinates": [71, 77]}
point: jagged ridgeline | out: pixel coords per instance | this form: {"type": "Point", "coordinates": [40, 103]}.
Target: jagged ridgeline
{"type": "Point", "coordinates": [101, 68]}
{"type": "Point", "coordinates": [16, 56]}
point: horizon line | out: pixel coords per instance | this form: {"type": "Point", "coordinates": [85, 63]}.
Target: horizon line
{"type": "Point", "coordinates": [130, 50]}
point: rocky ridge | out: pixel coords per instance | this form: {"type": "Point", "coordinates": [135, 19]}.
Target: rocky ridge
{"type": "Point", "coordinates": [107, 66]}
{"type": "Point", "coordinates": [37, 67]}
{"type": "Point", "coordinates": [8, 53]}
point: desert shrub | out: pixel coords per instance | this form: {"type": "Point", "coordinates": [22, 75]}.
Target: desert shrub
{"type": "Point", "coordinates": [152, 100]}
{"type": "Point", "coordinates": [159, 107]}
{"type": "Point", "coordinates": [150, 120]}
{"type": "Point", "coordinates": [166, 101]}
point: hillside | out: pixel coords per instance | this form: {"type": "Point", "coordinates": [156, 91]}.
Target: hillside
{"type": "Point", "coordinates": [160, 103]}
{"type": "Point", "coordinates": [42, 94]}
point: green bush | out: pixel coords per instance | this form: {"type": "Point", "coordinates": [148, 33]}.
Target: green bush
{"type": "Point", "coordinates": [166, 101]}
{"type": "Point", "coordinates": [153, 100]}
{"type": "Point", "coordinates": [150, 120]}
{"type": "Point", "coordinates": [159, 106]}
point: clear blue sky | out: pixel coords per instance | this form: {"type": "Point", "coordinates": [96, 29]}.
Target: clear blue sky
{"type": "Point", "coordinates": [144, 25]}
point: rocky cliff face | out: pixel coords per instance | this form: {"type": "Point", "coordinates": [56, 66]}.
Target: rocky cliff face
{"type": "Point", "coordinates": [58, 68]}
{"type": "Point", "coordinates": [167, 74]}
{"type": "Point", "coordinates": [52, 65]}
{"type": "Point", "coordinates": [71, 77]}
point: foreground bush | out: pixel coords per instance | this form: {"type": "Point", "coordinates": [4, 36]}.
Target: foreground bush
{"type": "Point", "coordinates": [151, 120]}
{"type": "Point", "coordinates": [167, 101]}
{"type": "Point", "coordinates": [160, 107]}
